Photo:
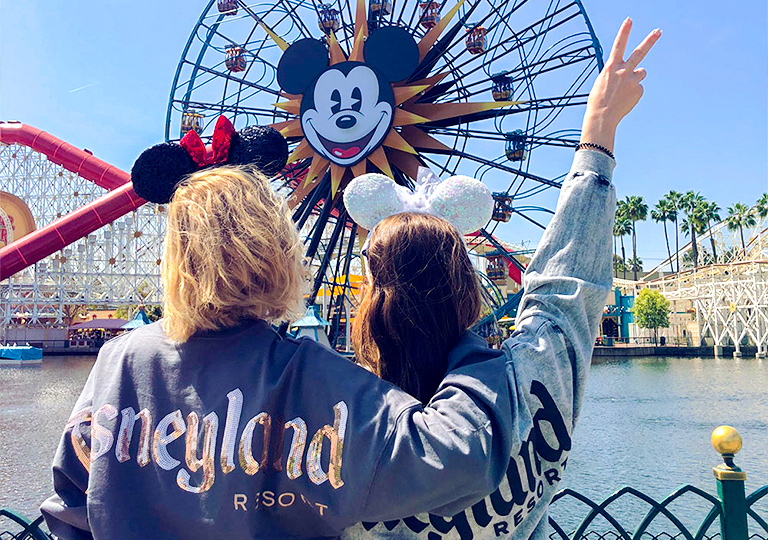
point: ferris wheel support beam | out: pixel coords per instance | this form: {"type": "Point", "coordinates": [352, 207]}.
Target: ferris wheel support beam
{"type": "Point", "coordinates": [508, 169]}
{"type": "Point", "coordinates": [595, 41]}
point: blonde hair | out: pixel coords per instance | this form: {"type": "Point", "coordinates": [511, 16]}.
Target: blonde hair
{"type": "Point", "coordinates": [231, 253]}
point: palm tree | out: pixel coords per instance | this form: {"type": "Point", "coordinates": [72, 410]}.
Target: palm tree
{"type": "Point", "coordinates": [635, 264]}
{"type": "Point", "coordinates": [691, 204]}
{"type": "Point", "coordinates": [739, 216]}
{"type": "Point", "coordinates": [711, 212]}
{"type": "Point", "coordinates": [762, 206]}
{"type": "Point", "coordinates": [621, 228]}
{"type": "Point", "coordinates": [665, 211]}
{"type": "Point", "coordinates": [674, 199]}
{"type": "Point", "coordinates": [635, 210]}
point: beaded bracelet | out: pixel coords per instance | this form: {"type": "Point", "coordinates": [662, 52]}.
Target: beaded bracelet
{"type": "Point", "coordinates": [593, 146]}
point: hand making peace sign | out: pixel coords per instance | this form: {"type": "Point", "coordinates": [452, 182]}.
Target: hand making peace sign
{"type": "Point", "coordinates": [617, 88]}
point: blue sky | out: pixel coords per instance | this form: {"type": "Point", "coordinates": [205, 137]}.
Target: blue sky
{"type": "Point", "coordinates": [99, 76]}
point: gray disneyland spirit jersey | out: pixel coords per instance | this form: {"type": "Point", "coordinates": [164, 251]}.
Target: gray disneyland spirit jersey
{"type": "Point", "coordinates": [241, 434]}
{"type": "Point", "coordinates": [548, 357]}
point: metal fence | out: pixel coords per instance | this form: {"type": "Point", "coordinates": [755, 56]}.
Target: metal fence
{"type": "Point", "coordinates": [731, 509]}
{"type": "Point", "coordinates": [735, 512]}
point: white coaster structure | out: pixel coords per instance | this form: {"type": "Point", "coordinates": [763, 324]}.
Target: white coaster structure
{"type": "Point", "coordinates": [116, 265]}
{"type": "Point", "coordinates": [728, 300]}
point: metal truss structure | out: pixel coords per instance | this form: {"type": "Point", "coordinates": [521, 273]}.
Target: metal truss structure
{"type": "Point", "coordinates": [116, 265]}
{"type": "Point", "coordinates": [730, 300]}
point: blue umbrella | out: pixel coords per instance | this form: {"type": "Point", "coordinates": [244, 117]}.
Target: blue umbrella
{"type": "Point", "coordinates": [140, 319]}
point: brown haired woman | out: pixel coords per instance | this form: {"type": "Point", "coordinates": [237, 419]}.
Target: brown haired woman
{"type": "Point", "coordinates": [422, 295]}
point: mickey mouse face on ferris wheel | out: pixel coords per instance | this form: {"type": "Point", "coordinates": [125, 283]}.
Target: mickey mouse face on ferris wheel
{"type": "Point", "coordinates": [347, 108]}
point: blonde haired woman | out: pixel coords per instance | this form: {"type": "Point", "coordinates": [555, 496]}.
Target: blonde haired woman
{"type": "Point", "coordinates": [208, 424]}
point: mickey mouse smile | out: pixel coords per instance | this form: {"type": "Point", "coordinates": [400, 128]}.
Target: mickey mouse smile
{"type": "Point", "coordinates": [346, 150]}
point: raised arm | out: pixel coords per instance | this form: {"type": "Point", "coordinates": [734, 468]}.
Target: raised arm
{"type": "Point", "coordinates": [566, 284]}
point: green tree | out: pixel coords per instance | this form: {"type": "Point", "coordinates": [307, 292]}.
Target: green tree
{"type": "Point", "coordinates": [673, 197]}
{"type": "Point", "coordinates": [692, 206]}
{"type": "Point", "coordinates": [651, 311]}
{"type": "Point", "coordinates": [711, 212]}
{"type": "Point", "coordinates": [665, 211]}
{"type": "Point", "coordinates": [636, 210]}
{"type": "Point", "coordinates": [619, 265]}
{"type": "Point", "coordinates": [740, 216]}
{"type": "Point", "coordinates": [762, 206]}
{"type": "Point", "coordinates": [154, 313]}
{"type": "Point", "coordinates": [635, 264]}
{"type": "Point", "coordinates": [622, 227]}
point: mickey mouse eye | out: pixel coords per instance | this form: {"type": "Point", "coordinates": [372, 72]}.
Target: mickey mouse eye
{"type": "Point", "coordinates": [357, 99]}
{"type": "Point", "coordinates": [336, 98]}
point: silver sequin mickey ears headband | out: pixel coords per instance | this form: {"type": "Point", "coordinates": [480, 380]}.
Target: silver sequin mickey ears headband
{"type": "Point", "coordinates": [464, 202]}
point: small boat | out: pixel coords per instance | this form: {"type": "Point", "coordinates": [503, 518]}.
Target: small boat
{"type": "Point", "coordinates": [20, 355]}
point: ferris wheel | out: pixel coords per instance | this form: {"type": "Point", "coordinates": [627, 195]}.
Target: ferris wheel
{"type": "Point", "coordinates": [487, 88]}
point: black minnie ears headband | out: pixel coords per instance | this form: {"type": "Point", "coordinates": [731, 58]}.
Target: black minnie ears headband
{"type": "Point", "coordinates": [159, 169]}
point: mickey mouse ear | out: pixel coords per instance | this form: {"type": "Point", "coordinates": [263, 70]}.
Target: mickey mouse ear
{"type": "Point", "coordinates": [370, 198]}
{"type": "Point", "coordinates": [464, 201]}
{"type": "Point", "coordinates": [158, 169]}
{"type": "Point", "coordinates": [262, 146]}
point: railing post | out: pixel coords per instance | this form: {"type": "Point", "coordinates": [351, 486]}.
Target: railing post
{"type": "Point", "coordinates": [730, 485]}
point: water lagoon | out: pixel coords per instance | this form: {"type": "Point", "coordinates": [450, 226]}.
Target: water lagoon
{"type": "Point", "coordinates": [646, 422]}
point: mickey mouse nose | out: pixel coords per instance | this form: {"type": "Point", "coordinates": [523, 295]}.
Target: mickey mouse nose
{"type": "Point", "coordinates": [345, 122]}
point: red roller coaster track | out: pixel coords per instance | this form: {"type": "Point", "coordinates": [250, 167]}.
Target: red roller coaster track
{"type": "Point", "coordinates": [43, 242]}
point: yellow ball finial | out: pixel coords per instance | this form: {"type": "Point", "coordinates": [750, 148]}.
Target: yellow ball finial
{"type": "Point", "coordinates": [726, 440]}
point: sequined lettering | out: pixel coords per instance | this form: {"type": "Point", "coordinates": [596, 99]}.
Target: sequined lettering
{"type": "Point", "coordinates": [145, 438]}
{"type": "Point", "coordinates": [234, 409]}
{"type": "Point", "coordinates": [93, 434]}
{"type": "Point", "coordinates": [101, 437]}
{"type": "Point", "coordinates": [335, 435]}
{"type": "Point", "coordinates": [207, 462]}
{"type": "Point", "coordinates": [247, 462]}
{"type": "Point", "coordinates": [124, 435]}
{"type": "Point", "coordinates": [293, 463]}
{"type": "Point", "coordinates": [82, 451]}
{"type": "Point", "coordinates": [163, 438]}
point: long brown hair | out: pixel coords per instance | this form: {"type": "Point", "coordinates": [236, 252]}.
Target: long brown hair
{"type": "Point", "coordinates": [423, 295]}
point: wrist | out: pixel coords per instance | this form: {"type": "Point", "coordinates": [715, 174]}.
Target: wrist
{"type": "Point", "coordinates": [598, 129]}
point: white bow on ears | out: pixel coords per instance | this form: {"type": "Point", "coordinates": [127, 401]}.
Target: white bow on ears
{"type": "Point", "coordinates": [461, 200]}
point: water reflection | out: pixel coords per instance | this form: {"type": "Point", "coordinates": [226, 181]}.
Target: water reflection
{"type": "Point", "coordinates": [645, 422]}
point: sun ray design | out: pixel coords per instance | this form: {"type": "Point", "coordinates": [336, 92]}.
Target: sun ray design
{"type": "Point", "coordinates": [317, 169]}
{"type": "Point", "coordinates": [302, 151]}
{"type": "Point", "coordinates": [423, 141]}
{"type": "Point", "coordinates": [394, 140]}
{"type": "Point", "coordinates": [330, 152]}
{"type": "Point", "coordinates": [292, 106]}
{"type": "Point", "coordinates": [337, 55]}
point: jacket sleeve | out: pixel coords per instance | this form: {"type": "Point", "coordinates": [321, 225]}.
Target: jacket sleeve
{"type": "Point", "coordinates": [566, 287]}
{"type": "Point", "coordinates": [450, 454]}
{"type": "Point", "coordinates": [66, 512]}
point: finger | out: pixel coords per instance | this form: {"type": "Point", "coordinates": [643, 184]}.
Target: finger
{"type": "Point", "coordinates": [638, 54]}
{"type": "Point", "coordinates": [640, 74]}
{"type": "Point", "coordinates": [620, 43]}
